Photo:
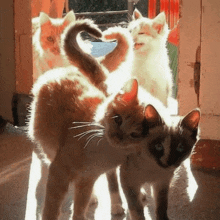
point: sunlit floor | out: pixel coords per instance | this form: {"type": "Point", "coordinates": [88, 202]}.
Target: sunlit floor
{"type": "Point", "coordinates": [193, 195]}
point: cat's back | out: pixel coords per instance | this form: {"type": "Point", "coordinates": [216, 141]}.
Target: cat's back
{"type": "Point", "coordinates": [61, 96]}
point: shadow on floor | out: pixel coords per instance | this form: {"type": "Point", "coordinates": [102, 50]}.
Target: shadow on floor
{"type": "Point", "coordinates": [193, 195]}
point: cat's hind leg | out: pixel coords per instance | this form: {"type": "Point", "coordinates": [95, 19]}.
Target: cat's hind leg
{"type": "Point", "coordinates": [116, 202]}
{"type": "Point", "coordinates": [57, 187]}
{"type": "Point", "coordinates": [41, 190]}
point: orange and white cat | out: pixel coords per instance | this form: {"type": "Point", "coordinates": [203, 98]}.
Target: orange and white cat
{"type": "Point", "coordinates": [151, 61]}
{"type": "Point", "coordinates": [46, 42]}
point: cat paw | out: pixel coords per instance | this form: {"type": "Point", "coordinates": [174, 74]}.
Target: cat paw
{"type": "Point", "coordinates": [117, 209]}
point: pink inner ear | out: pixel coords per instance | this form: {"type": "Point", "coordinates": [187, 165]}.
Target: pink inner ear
{"type": "Point", "coordinates": [158, 28]}
{"type": "Point", "coordinates": [194, 120]}
{"type": "Point", "coordinates": [191, 120]}
{"type": "Point", "coordinates": [151, 114]}
{"type": "Point", "coordinates": [130, 91]}
{"type": "Point", "coordinates": [136, 15]}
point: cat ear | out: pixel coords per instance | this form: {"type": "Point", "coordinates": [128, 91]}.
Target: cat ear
{"type": "Point", "coordinates": [152, 115]}
{"type": "Point", "coordinates": [44, 18]}
{"type": "Point", "coordinates": [159, 22]}
{"type": "Point", "coordinates": [191, 120]}
{"type": "Point", "coordinates": [130, 91]}
{"type": "Point", "coordinates": [136, 14]}
{"type": "Point", "coordinates": [70, 17]}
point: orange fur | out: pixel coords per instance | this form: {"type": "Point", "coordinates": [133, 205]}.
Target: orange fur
{"type": "Point", "coordinates": [118, 55]}
{"type": "Point", "coordinates": [63, 96]}
{"type": "Point", "coordinates": [47, 42]}
{"type": "Point", "coordinates": [51, 36]}
{"type": "Point", "coordinates": [83, 61]}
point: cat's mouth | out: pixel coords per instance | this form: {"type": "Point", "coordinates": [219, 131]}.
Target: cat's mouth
{"type": "Point", "coordinates": [138, 45]}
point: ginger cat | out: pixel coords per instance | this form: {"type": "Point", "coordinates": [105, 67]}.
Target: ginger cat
{"type": "Point", "coordinates": [62, 125]}
{"type": "Point", "coordinates": [46, 42]}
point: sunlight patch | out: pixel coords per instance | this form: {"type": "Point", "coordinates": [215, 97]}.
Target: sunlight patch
{"type": "Point", "coordinates": [192, 184]}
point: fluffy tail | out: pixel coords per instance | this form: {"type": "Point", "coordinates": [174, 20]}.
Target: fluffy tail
{"type": "Point", "coordinates": [122, 51]}
{"type": "Point", "coordinates": [87, 64]}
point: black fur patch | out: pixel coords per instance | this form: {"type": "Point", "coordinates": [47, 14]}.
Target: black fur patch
{"type": "Point", "coordinates": [182, 142]}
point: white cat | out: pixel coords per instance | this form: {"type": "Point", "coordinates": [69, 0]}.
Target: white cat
{"type": "Point", "coordinates": [151, 61]}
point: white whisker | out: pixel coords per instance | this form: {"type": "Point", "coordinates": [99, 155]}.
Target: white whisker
{"type": "Point", "coordinates": [81, 126]}
{"type": "Point", "coordinates": [99, 141]}
{"type": "Point", "coordinates": [116, 116]}
{"type": "Point", "coordinates": [81, 122]}
{"type": "Point", "coordinates": [83, 135]}
{"type": "Point", "coordinates": [97, 134]}
{"type": "Point", "coordinates": [91, 137]}
{"type": "Point", "coordinates": [86, 132]}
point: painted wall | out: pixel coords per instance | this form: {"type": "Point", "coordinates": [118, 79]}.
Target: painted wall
{"type": "Point", "coordinates": [209, 98]}
{"type": "Point", "coordinates": [7, 58]}
{"type": "Point", "coordinates": [199, 43]}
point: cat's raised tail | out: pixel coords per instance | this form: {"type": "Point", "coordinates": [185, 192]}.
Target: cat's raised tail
{"type": "Point", "coordinates": [86, 63]}
{"type": "Point", "coordinates": [122, 52]}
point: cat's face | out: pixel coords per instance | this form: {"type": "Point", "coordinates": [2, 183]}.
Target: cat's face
{"type": "Point", "coordinates": [171, 145]}
{"type": "Point", "coordinates": [51, 31]}
{"type": "Point", "coordinates": [124, 120]}
{"type": "Point", "coordinates": [147, 33]}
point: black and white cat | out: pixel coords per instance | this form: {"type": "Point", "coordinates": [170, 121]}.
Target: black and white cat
{"type": "Point", "coordinates": [167, 147]}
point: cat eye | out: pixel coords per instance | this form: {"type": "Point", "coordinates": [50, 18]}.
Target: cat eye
{"type": "Point", "coordinates": [180, 147]}
{"type": "Point", "coordinates": [135, 135]}
{"type": "Point", "coordinates": [158, 147]}
{"type": "Point", "coordinates": [50, 39]}
{"type": "Point", "coordinates": [118, 119]}
{"type": "Point", "coordinates": [145, 33]}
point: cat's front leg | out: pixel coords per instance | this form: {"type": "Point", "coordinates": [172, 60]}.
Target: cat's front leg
{"type": "Point", "coordinates": [116, 202]}
{"type": "Point", "coordinates": [160, 192]}
{"type": "Point", "coordinates": [57, 187]}
{"type": "Point", "coordinates": [82, 194]}
{"type": "Point", "coordinates": [132, 192]}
